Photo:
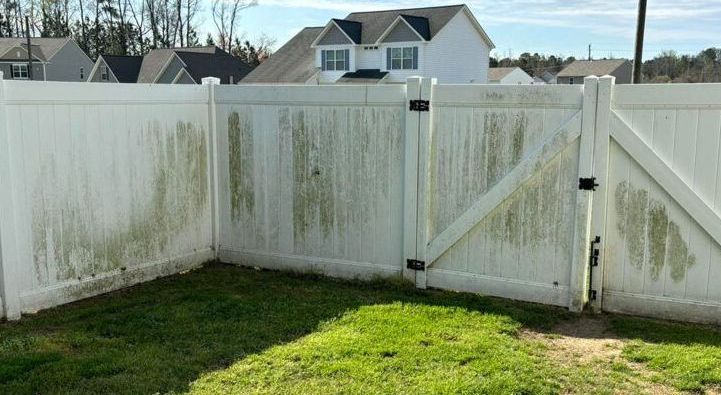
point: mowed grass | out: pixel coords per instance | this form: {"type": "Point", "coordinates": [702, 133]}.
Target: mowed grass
{"type": "Point", "coordinates": [224, 329]}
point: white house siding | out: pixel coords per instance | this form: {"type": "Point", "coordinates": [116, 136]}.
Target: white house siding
{"type": "Point", "coordinates": [458, 37]}
{"type": "Point", "coordinates": [368, 58]}
{"type": "Point", "coordinates": [329, 77]}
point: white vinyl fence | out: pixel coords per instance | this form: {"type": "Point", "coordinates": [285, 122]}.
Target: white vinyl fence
{"type": "Point", "coordinates": [588, 195]}
{"type": "Point", "coordinates": [103, 186]}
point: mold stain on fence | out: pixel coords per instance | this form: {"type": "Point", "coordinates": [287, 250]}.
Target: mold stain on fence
{"type": "Point", "coordinates": [649, 233]}
{"type": "Point", "coordinates": [240, 163]}
{"type": "Point", "coordinates": [68, 235]}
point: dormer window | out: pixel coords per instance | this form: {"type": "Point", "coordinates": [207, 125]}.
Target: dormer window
{"type": "Point", "coordinates": [404, 58]}
{"type": "Point", "coordinates": [335, 59]}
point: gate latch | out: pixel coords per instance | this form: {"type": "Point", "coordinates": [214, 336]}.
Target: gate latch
{"type": "Point", "coordinates": [595, 252]}
{"type": "Point", "coordinates": [414, 264]}
{"type": "Point", "coordinates": [587, 184]}
{"type": "Point", "coordinates": [420, 105]}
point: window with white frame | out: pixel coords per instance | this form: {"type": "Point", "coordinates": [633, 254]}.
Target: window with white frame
{"type": "Point", "coordinates": [82, 73]}
{"type": "Point", "coordinates": [405, 58]}
{"type": "Point", "coordinates": [570, 81]}
{"type": "Point", "coordinates": [20, 71]}
{"type": "Point", "coordinates": [104, 73]}
{"type": "Point", "coordinates": [335, 59]}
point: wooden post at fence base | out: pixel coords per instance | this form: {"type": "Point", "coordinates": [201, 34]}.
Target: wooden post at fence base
{"type": "Point", "coordinates": [581, 243]}
{"type": "Point", "coordinates": [8, 248]}
{"type": "Point", "coordinates": [211, 82]}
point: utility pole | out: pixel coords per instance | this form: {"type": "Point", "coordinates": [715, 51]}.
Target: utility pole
{"type": "Point", "coordinates": [589, 52]}
{"type": "Point", "coordinates": [640, 28]}
{"type": "Point", "coordinates": [30, 50]}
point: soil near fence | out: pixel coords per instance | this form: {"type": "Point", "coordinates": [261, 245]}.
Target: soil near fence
{"type": "Point", "coordinates": [234, 330]}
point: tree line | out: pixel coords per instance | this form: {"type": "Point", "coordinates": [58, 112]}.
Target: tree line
{"type": "Point", "coordinates": [667, 67]}
{"type": "Point", "coordinates": [534, 64]}
{"type": "Point", "coordinates": [133, 27]}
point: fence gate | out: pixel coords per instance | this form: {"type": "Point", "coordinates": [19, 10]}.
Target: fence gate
{"type": "Point", "coordinates": [658, 218]}
{"type": "Point", "coordinates": [492, 189]}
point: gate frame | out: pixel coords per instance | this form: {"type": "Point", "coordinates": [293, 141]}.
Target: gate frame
{"type": "Point", "coordinates": [595, 112]}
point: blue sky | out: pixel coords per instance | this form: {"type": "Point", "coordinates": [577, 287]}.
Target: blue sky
{"type": "Point", "coordinates": [563, 27]}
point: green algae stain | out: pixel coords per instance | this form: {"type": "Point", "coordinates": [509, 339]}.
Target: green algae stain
{"type": "Point", "coordinates": [240, 151]}
{"type": "Point", "coordinates": [650, 235]}
{"type": "Point", "coordinates": [518, 133]}
{"type": "Point", "coordinates": [493, 123]}
{"type": "Point", "coordinates": [300, 173]}
{"type": "Point", "coordinates": [70, 237]}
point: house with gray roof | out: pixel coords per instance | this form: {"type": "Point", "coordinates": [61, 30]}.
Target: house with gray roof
{"type": "Point", "coordinates": [509, 76]}
{"type": "Point", "coordinates": [171, 66]}
{"type": "Point", "coordinates": [575, 72]}
{"type": "Point", "coordinates": [389, 46]}
{"type": "Point", "coordinates": [53, 59]}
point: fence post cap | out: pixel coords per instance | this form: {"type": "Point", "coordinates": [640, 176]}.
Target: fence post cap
{"type": "Point", "coordinates": [210, 81]}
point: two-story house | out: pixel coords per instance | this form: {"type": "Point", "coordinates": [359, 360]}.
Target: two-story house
{"type": "Point", "coordinates": [53, 59]}
{"type": "Point", "coordinates": [446, 43]}
{"type": "Point", "coordinates": [171, 66]}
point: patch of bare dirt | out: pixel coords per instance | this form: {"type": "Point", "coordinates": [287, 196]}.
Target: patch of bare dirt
{"type": "Point", "coordinates": [589, 340]}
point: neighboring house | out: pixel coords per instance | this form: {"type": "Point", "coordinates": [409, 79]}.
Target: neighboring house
{"type": "Point", "coordinates": [171, 66]}
{"type": "Point", "coordinates": [575, 72]}
{"type": "Point", "coordinates": [509, 76]}
{"type": "Point", "coordinates": [54, 59]}
{"type": "Point", "coordinates": [446, 43]}
{"type": "Point", "coordinates": [548, 77]}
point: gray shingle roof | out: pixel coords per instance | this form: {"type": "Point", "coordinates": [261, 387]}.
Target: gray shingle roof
{"type": "Point", "coordinates": [154, 61]}
{"type": "Point", "coordinates": [497, 73]}
{"type": "Point", "coordinates": [420, 25]}
{"type": "Point", "coordinates": [352, 29]}
{"type": "Point", "coordinates": [220, 65]}
{"type": "Point", "coordinates": [584, 68]}
{"type": "Point", "coordinates": [46, 46]}
{"type": "Point", "coordinates": [294, 62]}
{"type": "Point", "coordinates": [124, 68]}
{"type": "Point", "coordinates": [376, 22]}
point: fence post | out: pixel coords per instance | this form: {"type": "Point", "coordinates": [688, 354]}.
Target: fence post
{"type": "Point", "coordinates": [601, 154]}
{"type": "Point", "coordinates": [211, 82]}
{"type": "Point", "coordinates": [410, 189]}
{"type": "Point", "coordinates": [425, 139]}
{"type": "Point", "coordinates": [8, 248]}
{"type": "Point", "coordinates": [581, 246]}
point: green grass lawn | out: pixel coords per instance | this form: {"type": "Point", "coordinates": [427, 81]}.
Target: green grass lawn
{"type": "Point", "coordinates": [224, 329]}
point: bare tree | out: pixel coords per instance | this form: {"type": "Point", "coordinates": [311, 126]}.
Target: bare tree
{"type": "Point", "coordinates": [226, 14]}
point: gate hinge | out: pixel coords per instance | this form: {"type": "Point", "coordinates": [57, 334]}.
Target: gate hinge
{"type": "Point", "coordinates": [587, 184]}
{"type": "Point", "coordinates": [592, 294]}
{"type": "Point", "coordinates": [414, 264]}
{"type": "Point", "coordinates": [420, 105]}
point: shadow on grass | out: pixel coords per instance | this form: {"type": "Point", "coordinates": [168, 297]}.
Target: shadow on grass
{"type": "Point", "coordinates": [160, 336]}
